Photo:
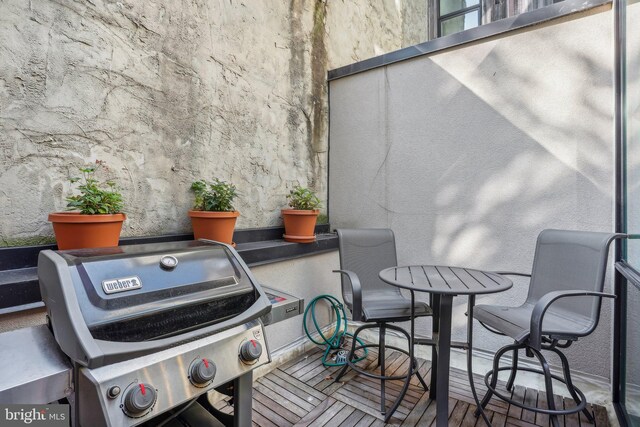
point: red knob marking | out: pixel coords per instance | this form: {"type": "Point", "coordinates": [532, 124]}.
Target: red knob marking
{"type": "Point", "coordinates": [254, 343]}
{"type": "Point", "coordinates": [142, 389]}
{"type": "Point", "coordinates": [206, 363]}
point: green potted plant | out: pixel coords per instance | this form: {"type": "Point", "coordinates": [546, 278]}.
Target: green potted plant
{"type": "Point", "coordinates": [95, 218]}
{"type": "Point", "coordinates": [300, 220]}
{"type": "Point", "coordinates": [213, 216]}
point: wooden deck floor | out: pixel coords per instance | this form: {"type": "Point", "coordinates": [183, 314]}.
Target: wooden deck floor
{"type": "Point", "coordinates": [302, 393]}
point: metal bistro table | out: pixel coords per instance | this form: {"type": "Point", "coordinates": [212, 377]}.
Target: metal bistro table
{"type": "Point", "coordinates": [443, 283]}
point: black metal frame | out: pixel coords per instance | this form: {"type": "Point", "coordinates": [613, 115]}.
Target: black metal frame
{"type": "Point", "coordinates": [526, 19]}
{"type": "Point", "coordinates": [381, 345]}
{"type": "Point", "coordinates": [625, 275]}
{"type": "Point", "coordinates": [491, 380]}
{"type": "Point", "coordinates": [629, 277]}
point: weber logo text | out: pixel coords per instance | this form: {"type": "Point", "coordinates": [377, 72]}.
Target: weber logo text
{"type": "Point", "coordinates": [121, 285]}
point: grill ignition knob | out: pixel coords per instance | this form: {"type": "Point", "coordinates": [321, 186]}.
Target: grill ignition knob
{"type": "Point", "coordinates": [250, 351]}
{"type": "Point", "coordinates": [202, 371]}
{"type": "Point", "coordinates": [139, 399]}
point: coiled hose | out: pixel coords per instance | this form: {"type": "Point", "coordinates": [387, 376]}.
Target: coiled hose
{"type": "Point", "coordinates": [336, 341]}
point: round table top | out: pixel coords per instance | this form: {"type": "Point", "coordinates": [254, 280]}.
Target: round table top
{"type": "Point", "coordinates": [438, 279]}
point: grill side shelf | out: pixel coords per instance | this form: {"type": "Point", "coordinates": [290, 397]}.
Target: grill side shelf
{"type": "Point", "coordinates": [283, 306]}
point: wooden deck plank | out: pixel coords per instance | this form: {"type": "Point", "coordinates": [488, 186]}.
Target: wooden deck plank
{"type": "Point", "coordinates": [519, 423]}
{"type": "Point", "coordinates": [418, 410]}
{"type": "Point", "coordinates": [287, 393]}
{"type": "Point", "coordinates": [470, 419]}
{"type": "Point", "coordinates": [270, 414]}
{"type": "Point", "coordinates": [584, 422]}
{"type": "Point", "coordinates": [261, 421]}
{"type": "Point", "coordinates": [369, 398]}
{"type": "Point", "coordinates": [602, 419]}
{"type": "Point", "coordinates": [328, 415]}
{"type": "Point", "coordinates": [366, 421]}
{"type": "Point", "coordinates": [276, 407]}
{"type": "Point", "coordinates": [367, 389]}
{"type": "Point", "coordinates": [268, 393]}
{"type": "Point", "coordinates": [317, 412]}
{"type": "Point", "coordinates": [392, 388]}
{"type": "Point", "coordinates": [530, 399]}
{"type": "Point", "coordinates": [312, 399]}
{"type": "Point", "coordinates": [353, 419]}
{"type": "Point", "coordinates": [307, 396]}
{"type": "Point", "coordinates": [542, 419]}
{"type": "Point", "coordinates": [459, 410]}
{"type": "Point", "coordinates": [498, 420]}
{"type": "Point", "coordinates": [299, 384]}
{"type": "Point", "coordinates": [314, 375]}
{"type": "Point", "coordinates": [315, 365]}
{"type": "Point", "coordinates": [356, 403]}
{"type": "Point", "coordinates": [341, 416]}
{"type": "Point", "coordinates": [311, 353]}
{"type": "Point", "coordinates": [571, 420]}
{"type": "Point", "coordinates": [293, 365]}
{"type": "Point", "coordinates": [518, 396]}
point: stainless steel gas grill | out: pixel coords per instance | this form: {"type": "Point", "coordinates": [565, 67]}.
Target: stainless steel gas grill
{"type": "Point", "coordinates": [150, 328]}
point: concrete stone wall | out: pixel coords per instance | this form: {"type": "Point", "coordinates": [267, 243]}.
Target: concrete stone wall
{"type": "Point", "coordinates": [470, 152]}
{"type": "Point", "coordinates": [170, 92]}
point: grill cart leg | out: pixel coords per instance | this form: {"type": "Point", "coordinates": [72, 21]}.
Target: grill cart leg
{"type": "Point", "coordinates": [242, 400]}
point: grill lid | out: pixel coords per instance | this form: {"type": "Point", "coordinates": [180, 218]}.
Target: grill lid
{"type": "Point", "coordinates": [158, 293]}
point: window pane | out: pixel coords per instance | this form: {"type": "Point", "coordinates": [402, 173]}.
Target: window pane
{"type": "Point", "coordinates": [459, 23]}
{"type": "Point", "coordinates": [448, 6]}
{"type": "Point", "coordinates": [632, 367]}
{"type": "Point", "coordinates": [633, 132]}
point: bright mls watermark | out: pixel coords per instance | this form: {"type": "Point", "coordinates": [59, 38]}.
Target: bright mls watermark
{"type": "Point", "coordinates": [34, 415]}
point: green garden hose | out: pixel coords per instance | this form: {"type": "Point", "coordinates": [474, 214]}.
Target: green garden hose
{"type": "Point", "coordinates": [335, 342]}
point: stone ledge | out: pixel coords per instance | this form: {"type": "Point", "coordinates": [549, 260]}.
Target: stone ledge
{"type": "Point", "coordinates": [19, 288]}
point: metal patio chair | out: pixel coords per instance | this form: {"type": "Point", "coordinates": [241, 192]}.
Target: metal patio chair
{"type": "Point", "coordinates": [363, 254]}
{"type": "Point", "coordinates": [562, 305]}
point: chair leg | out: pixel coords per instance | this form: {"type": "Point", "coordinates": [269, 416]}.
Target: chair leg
{"type": "Point", "coordinates": [514, 370]}
{"type": "Point", "coordinates": [352, 351]}
{"type": "Point", "coordinates": [420, 378]}
{"type": "Point", "coordinates": [569, 383]}
{"type": "Point", "coordinates": [380, 338]}
{"type": "Point", "coordinates": [413, 365]}
{"type": "Point", "coordinates": [548, 386]}
{"type": "Point", "coordinates": [494, 377]}
{"type": "Point", "coordinates": [381, 356]}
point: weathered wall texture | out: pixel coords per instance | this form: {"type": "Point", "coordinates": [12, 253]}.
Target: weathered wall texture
{"type": "Point", "coordinates": [469, 153]}
{"type": "Point", "coordinates": [170, 92]}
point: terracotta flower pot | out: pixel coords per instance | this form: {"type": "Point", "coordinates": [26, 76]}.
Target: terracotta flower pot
{"type": "Point", "coordinates": [74, 230]}
{"type": "Point", "coordinates": [300, 225]}
{"type": "Point", "coordinates": [216, 226]}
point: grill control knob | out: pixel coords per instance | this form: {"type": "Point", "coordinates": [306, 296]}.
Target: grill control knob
{"type": "Point", "coordinates": [250, 351]}
{"type": "Point", "coordinates": [202, 371]}
{"type": "Point", "coordinates": [139, 399]}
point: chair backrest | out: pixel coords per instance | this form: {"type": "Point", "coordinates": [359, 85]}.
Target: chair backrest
{"type": "Point", "coordinates": [366, 251]}
{"type": "Point", "coordinates": [571, 260]}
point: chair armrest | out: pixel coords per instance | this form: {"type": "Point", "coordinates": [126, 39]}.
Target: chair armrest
{"type": "Point", "coordinates": [535, 329]}
{"type": "Point", "coordinates": [512, 273]}
{"type": "Point", "coordinates": [356, 293]}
